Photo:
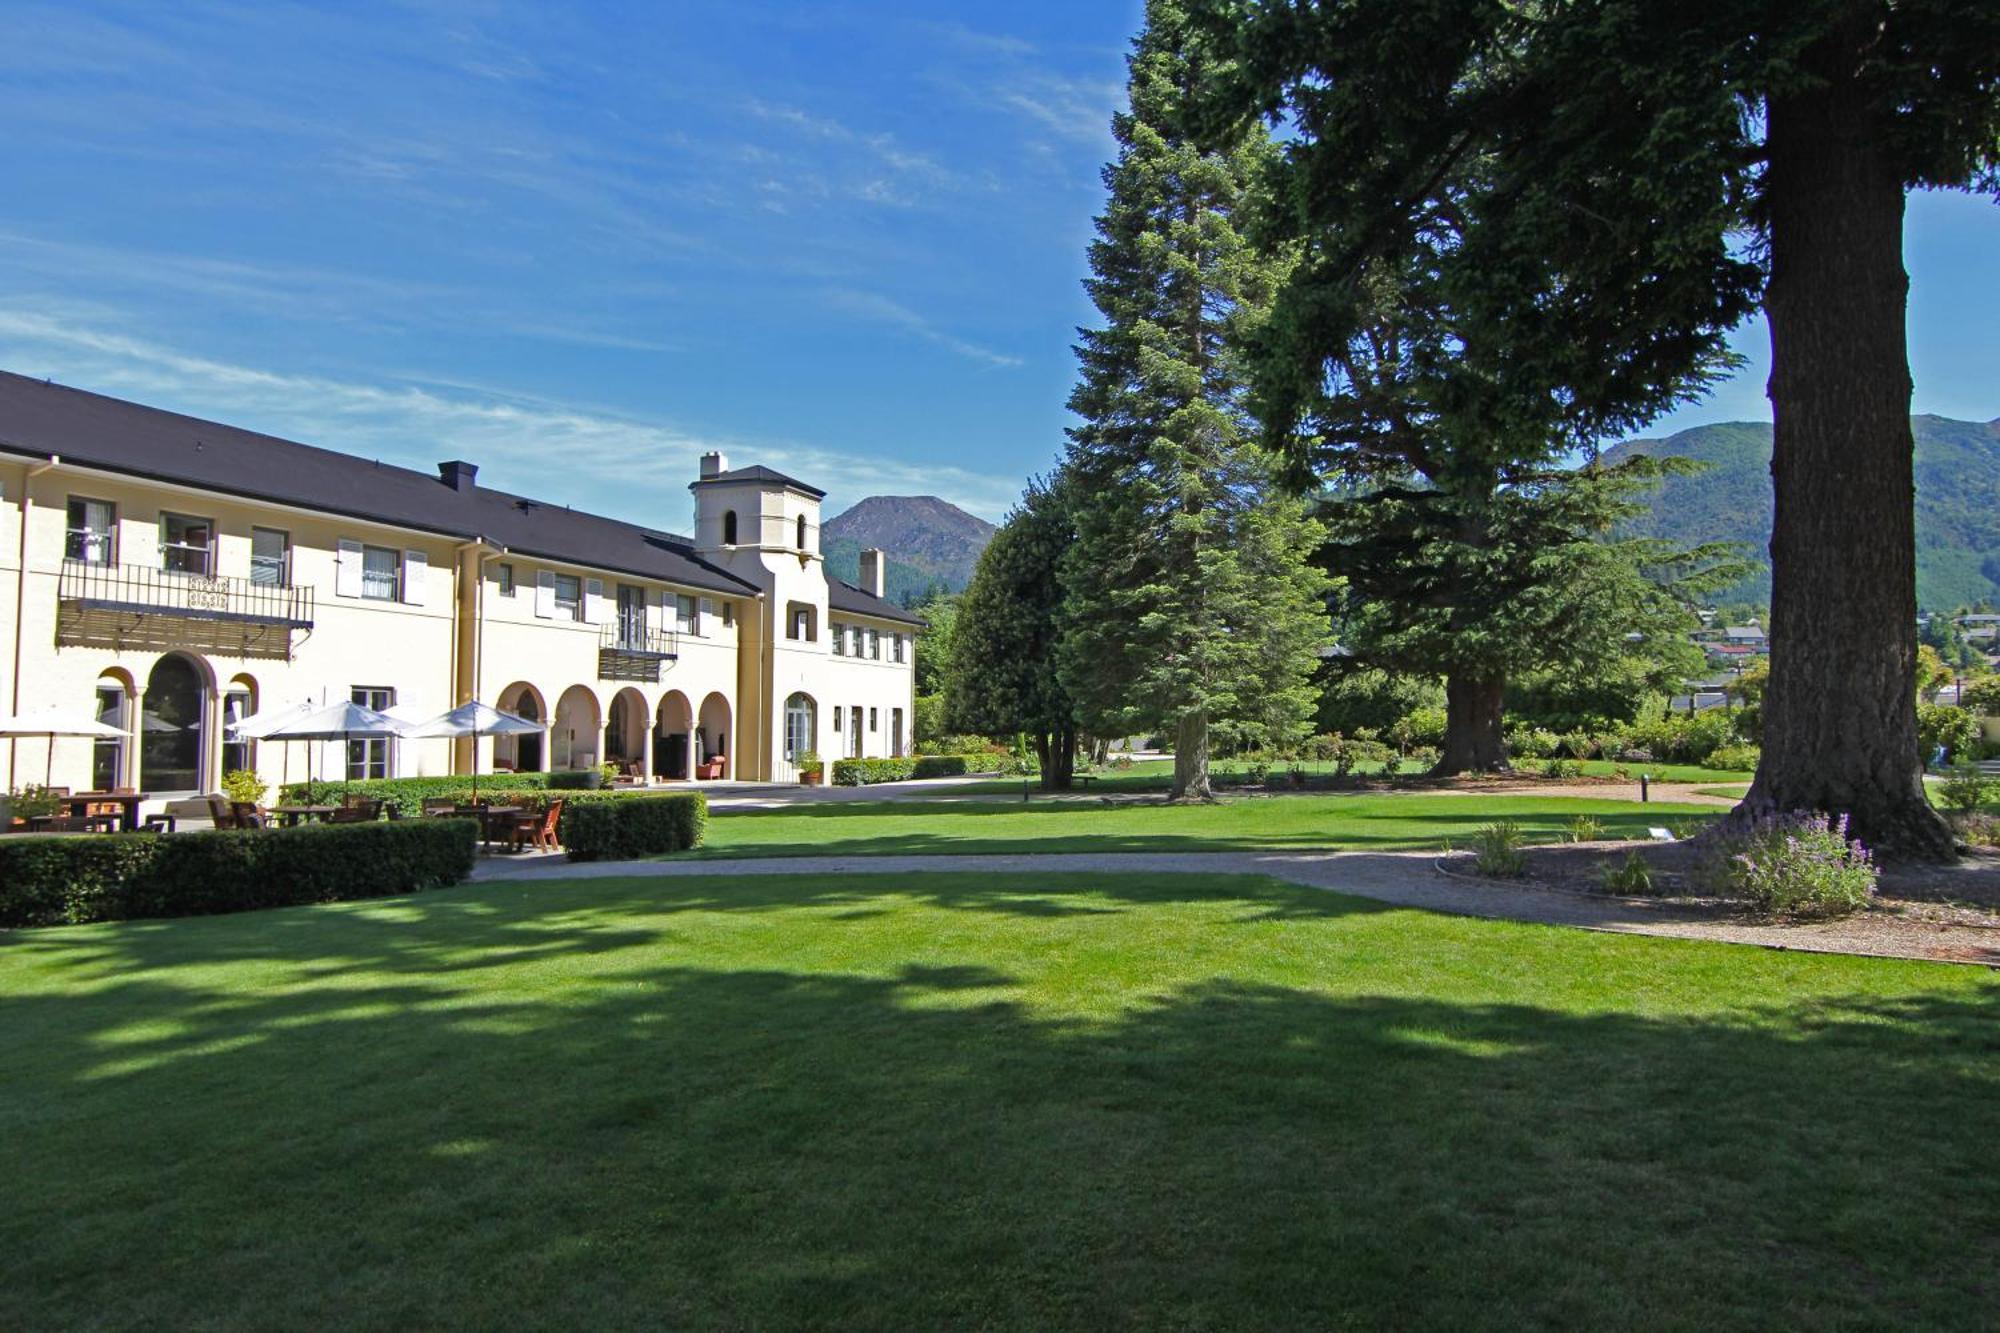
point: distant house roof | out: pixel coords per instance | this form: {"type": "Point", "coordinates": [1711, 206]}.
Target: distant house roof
{"type": "Point", "coordinates": [846, 597]}
{"type": "Point", "coordinates": [1731, 649]}
{"type": "Point", "coordinates": [1981, 618]}
{"type": "Point", "coordinates": [765, 475]}
{"type": "Point", "coordinates": [38, 419]}
{"type": "Point", "coordinates": [1746, 633]}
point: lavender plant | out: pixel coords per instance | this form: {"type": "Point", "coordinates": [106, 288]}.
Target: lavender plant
{"type": "Point", "coordinates": [1798, 865]}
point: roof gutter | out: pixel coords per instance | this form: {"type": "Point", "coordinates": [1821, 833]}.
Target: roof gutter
{"type": "Point", "coordinates": [34, 470]}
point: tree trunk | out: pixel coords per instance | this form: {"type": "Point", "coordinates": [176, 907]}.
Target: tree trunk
{"type": "Point", "coordinates": [1840, 725]}
{"type": "Point", "coordinates": [1057, 752]}
{"type": "Point", "coordinates": [1473, 718]}
{"type": "Point", "coordinates": [1191, 759]}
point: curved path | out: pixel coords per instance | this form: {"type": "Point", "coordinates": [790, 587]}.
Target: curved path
{"type": "Point", "coordinates": [1406, 879]}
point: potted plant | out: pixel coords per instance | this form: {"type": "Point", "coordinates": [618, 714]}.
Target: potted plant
{"type": "Point", "coordinates": [28, 803]}
{"type": "Point", "coordinates": [811, 771]}
{"type": "Point", "coordinates": [244, 787]}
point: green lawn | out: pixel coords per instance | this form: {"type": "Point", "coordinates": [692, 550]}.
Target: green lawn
{"type": "Point", "coordinates": [1365, 822]}
{"type": "Point", "coordinates": [914, 1102]}
{"type": "Point", "coordinates": [1148, 775]}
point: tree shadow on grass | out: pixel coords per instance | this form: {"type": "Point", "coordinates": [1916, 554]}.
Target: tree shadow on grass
{"type": "Point", "coordinates": [655, 1137]}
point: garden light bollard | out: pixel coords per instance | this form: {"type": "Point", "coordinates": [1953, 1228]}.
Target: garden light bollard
{"type": "Point", "coordinates": [1645, 782]}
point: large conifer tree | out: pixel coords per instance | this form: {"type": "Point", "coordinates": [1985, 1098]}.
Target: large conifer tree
{"type": "Point", "coordinates": [1639, 145]}
{"type": "Point", "coordinates": [1190, 598]}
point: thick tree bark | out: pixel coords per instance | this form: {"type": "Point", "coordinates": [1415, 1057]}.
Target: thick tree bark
{"type": "Point", "coordinates": [1191, 759]}
{"type": "Point", "coordinates": [1057, 752]}
{"type": "Point", "coordinates": [1840, 727]}
{"type": "Point", "coordinates": [1473, 726]}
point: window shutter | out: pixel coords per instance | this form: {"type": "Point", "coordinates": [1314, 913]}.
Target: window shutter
{"type": "Point", "coordinates": [545, 594]}
{"type": "Point", "coordinates": [415, 566]}
{"type": "Point", "coordinates": [593, 601]}
{"type": "Point", "coordinates": [347, 568]}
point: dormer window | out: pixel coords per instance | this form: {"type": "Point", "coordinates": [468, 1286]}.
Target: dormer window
{"type": "Point", "coordinates": [802, 532]}
{"type": "Point", "coordinates": [729, 528]}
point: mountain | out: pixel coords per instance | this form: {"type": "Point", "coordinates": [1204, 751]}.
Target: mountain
{"type": "Point", "coordinates": [928, 541]}
{"type": "Point", "coordinates": [1958, 503]}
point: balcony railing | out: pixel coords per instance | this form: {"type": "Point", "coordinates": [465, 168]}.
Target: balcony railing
{"type": "Point", "coordinates": [135, 606]}
{"type": "Point", "coordinates": [626, 652]}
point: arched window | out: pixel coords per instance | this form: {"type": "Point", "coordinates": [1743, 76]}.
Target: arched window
{"type": "Point", "coordinates": [729, 527]}
{"type": "Point", "coordinates": [802, 532]}
{"type": "Point", "coordinates": [173, 727]}
{"type": "Point", "coordinates": [801, 729]}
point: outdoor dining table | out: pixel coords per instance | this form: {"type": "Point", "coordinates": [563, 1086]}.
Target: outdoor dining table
{"type": "Point", "coordinates": [495, 821]}
{"type": "Point", "coordinates": [288, 815]}
{"type": "Point", "coordinates": [79, 804]}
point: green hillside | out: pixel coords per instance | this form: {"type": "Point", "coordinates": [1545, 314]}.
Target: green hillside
{"type": "Point", "coordinates": [1958, 502]}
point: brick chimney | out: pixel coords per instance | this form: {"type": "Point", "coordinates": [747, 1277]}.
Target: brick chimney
{"type": "Point", "coordinates": [713, 464]}
{"type": "Point", "coordinates": [873, 564]}
{"type": "Point", "coordinates": [458, 474]}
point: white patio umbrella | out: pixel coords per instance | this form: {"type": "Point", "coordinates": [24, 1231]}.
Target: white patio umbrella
{"type": "Point", "coordinates": [474, 719]}
{"type": "Point", "coordinates": [51, 724]}
{"type": "Point", "coordinates": [343, 721]}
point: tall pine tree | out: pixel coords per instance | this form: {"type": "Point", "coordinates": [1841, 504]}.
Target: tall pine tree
{"type": "Point", "coordinates": [1001, 677]}
{"type": "Point", "coordinates": [1190, 596]}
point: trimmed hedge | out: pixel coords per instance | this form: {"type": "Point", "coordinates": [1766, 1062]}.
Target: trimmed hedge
{"type": "Point", "coordinates": [409, 794]}
{"type": "Point", "coordinates": [122, 876]}
{"type": "Point", "coordinates": [868, 772]}
{"type": "Point", "coordinates": [614, 827]}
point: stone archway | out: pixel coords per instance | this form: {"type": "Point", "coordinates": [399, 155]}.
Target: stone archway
{"type": "Point", "coordinates": [527, 752]}
{"type": "Point", "coordinates": [714, 739]}
{"type": "Point", "coordinates": [625, 738]}
{"type": "Point", "coordinates": [578, 730]}
{"type": "Point", "coordinates": [673, 736]}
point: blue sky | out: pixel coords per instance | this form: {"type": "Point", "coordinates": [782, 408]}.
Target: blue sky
{"type": "Point", "coordinates": [843, 239]}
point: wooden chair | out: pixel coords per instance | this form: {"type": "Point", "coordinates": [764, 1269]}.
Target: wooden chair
{"type": "Point", "coordinates": [440, 805]}
{"type": "Point", "coordinates": [220, 812]}
{"type": "Point", "coordinates": [351, 814]}
{"type": "Point", "coordinates": [538, 828]}
{"type": "Point", "coordinates": [247, 814]}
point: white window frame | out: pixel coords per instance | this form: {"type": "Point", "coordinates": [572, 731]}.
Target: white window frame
{"type": "Point", "coordinates": [394, 592]}
{"type": "Point", "coordinates": [103, 541]}
{"type": "Point", "coordinates": [284, 565]}
{"type": "Point", "coordinates": [574, 609]}
{"type": "Point", "coordinates": [167, 548]}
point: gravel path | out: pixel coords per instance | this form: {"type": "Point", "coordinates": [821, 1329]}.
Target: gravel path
{"type": "Point", "coordinates": [1406, 879]}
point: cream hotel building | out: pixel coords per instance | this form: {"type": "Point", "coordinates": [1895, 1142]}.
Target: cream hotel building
{"type": "Point", "coordinates": [169, 575]}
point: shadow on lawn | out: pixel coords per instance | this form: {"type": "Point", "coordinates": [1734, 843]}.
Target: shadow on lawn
{"type": "Point", "coordinates": [652, 1138]}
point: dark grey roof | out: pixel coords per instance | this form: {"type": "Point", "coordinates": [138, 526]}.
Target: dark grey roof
{"type": "Point", "coordinates": [846, 597]}
{"type": "Point", "coordinates": [39, 418]}
{"type": "Point", "coordinates": [768, 476]}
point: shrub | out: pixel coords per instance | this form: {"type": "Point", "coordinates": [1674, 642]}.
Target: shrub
{"type": "Point", "coordinates": [1392, 764]}
{"type": "Point", "coordinates": [1496, 850]}
{"type": "Point", "coordinates": [1531, 742]}
{"type": "Point", "coordinates": [1257, 773]}
{"type": "Point", "coordinates": [1943, 727]}
{"type": "Point", "coordinates": [579, 779]}
{"type": "Point", "coordinates": [33, 801]}
{"type": "Point", "coordinates": [1982, 696]}
{"type": "Point", "coordinates": [1979, 830]}
{"type": "Point", "coordinates": [621, 828]}
{"type": "Point", "coordinates": [240, 784]}
{"type": "Point", "coordinates": [1585, 828]}
{"type": "Point", "coordinates": [1424, 756]}
{"type": "Point", "coordinates": [55, 881]}
{"type": "Point", "coordinates": [1734, 759]}
{"type": "Point", "coordinates": [1420, 726]}
{"type": "Point", "coordinates": [927, 718]}
{"type": "Point", "coordinates": [1966, 789]}
{"type": "Point", "coordinates": [408, 794]}
{"type": "Point", "coordinates": [1563, 768]}
{"type": "Point", "coordinates": [1797, 866]}
{"type": "Point", "coordinates": [1633, 878]}
{"type": "Point", "coordinates": [1681, 739]}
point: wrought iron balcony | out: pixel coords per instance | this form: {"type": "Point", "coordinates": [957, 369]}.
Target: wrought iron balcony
{"type": "Point", "coordinates": [134, 606]}
{"type": "Point", "coordinates": [625, 652]}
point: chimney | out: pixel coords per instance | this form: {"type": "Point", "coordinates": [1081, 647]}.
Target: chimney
{"type": "Point", "coordinates": [458, 474]}
{"type": "Point", "coordinates": [872, 562]}
{"type": "Point", "coordinates": [713, 464]}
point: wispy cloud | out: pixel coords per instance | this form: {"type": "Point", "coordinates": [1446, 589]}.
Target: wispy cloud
{"type": "Point", "coordinates": [882, 309]}
{"type": "Point", "coordinates": [619, 464]}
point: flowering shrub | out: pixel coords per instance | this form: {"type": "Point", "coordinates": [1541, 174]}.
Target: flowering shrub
{"type": "Point", "coordinates": [1531, 742]}
{"type": "Point", "coordinates": [1798, 865]}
